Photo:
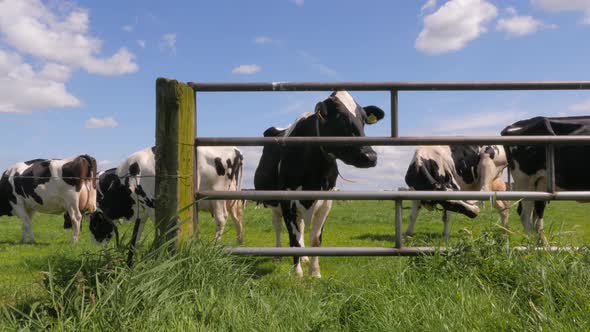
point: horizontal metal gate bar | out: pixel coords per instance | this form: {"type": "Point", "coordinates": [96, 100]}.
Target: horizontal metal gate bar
{"type": "Point", "coordinates": [395, 141]}
{"type": "Point", "coordinates": [391, 195]}
{"type": "Point", "coordinates": [388, 86]}
{"type": "Point", "coordinates": [359, 251]}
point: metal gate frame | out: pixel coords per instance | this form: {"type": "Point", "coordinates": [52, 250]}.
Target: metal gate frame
{"type": "Point", "coordinates": [393, 140]}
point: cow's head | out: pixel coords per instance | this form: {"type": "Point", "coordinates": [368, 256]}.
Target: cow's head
{"type": "Point", "coordinates": [340, 115]}
{"type": "Point", "coordinates": [102, 228]}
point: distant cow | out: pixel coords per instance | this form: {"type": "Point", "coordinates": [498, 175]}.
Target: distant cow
{"type": "Point", "coordinates": [313, 167]}
{"type": "Point", "coordinates": [454, 168]}
{"type": "Point", "coordinates": [127, 192]}
{"type": "Point", "coordinates": [50, 186]}
{"type": "Point", "coordinates": [528, 167]}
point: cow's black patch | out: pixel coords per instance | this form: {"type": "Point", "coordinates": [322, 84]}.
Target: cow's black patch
{"type": "Point", "coordinates": [219, 166]}
{"type": "Point", "coordinates": [67, 221]}
{"type": "Point", "coordinates": [571, 161]}
{"type": "Point", "coordinates": [491, 151]}
{"type": "Point", "coordinates": [101, 228]}
{"type": "Point", "coordinates": [466, 159]}
{"type": "Point", "coordinates": [134, 169]}
{"type": "Point", "coordinates": [148, 201]}
{"type": "Point", "coordinates": [32, 161]}
{"type": "Point", "coordinates": [36, 174]}
{"type": "Point", "coordinates": [6, 196]}
{"type": "Point", "coordinates": [115, 199]}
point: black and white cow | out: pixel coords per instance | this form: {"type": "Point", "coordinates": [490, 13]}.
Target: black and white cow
{"type": "Point", "coordinates": [50, 186]}
{"type": "Point", "coordinates": [127, 192]}
{"type": "Point", "coordinates": [454, 168]}
{"type": "Point", "coordinates": [307, 167]}
{"type": "Point", "coordinates": [528, 166]}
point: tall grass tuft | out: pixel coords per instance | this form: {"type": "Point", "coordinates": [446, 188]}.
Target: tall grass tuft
{"type": "Point", "coordinates": [480, 284]}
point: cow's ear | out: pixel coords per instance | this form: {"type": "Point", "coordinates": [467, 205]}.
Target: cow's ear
{"type": "Point", "coordinates": [374, 114]}
{"type": "Point", "coordinates": [321, 110]}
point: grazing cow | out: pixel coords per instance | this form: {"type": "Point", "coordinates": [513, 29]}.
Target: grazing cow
{"type": "Point", "coordinates": [50, 186]}
{"type": "Point", "coordinates": [128, 191]}
{"type": "Point", "coordinates": [457, 167]}
{"type": "Point", "coordinates": [528, 166]}
{"type": "Point", "coordinates": [312, 167]}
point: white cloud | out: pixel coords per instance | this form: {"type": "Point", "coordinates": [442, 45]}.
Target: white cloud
{"type": "Point", "coordinates": [108, 122]}
{"type": "Point", "coordinates": [430, 4]}
{"type": "Point", "coordinates": [32, 28]}
{"type": "Point", "coordinates": [127, 28]}
{"type": "Point", "coordinates": [263, 40]}
{"type": "Point", "coordinates": [475, 122]}
{"type": "Point", "coordinates": [56, 72]}
{"type": "Point", "coordinates": [23, 89]}
{"type": "Point", "coordinates": [246, 69]}
{"type": "Point", "coordinates": [566, 5]}
{"type": "Point", "coordinates": [518, 26]}
{"type": "Point", "coordinates": [299, 2]}
{"type": "Point", "coordinates": [581, 107]}
{"type": "Point", "coordinates": [168, 43]}
{"type": "Point", "coordinates": [141, 43]}
{"type": "Point", "coordinates": [453, 25]}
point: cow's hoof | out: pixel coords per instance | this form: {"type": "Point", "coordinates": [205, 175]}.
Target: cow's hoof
{"type": "Point", "coordinates": [316, 274]}
{"type": "Point", "coordinates": [297, 271]}
{"type": "Point", "coordinates": [304, 259]}
{"type": "Point", "coordinates": [409, 234]}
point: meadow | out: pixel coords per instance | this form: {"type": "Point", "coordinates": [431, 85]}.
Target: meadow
{"type": "Point", "coordinates": [480, 285]}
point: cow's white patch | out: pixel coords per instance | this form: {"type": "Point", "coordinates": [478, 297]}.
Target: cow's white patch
{"type": "Point", "coordinates": [347, 100]}
{"type": "Point", "coordinates": [513, 129]}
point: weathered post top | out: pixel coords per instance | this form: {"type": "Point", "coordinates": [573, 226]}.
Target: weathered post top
{"type": "Point", "coordinates": [175, 131]}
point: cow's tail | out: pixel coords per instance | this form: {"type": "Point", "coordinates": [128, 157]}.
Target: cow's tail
{"type": "Point", "coordinates": [239, 170]}
{"type": "Point", "coordinates": [237, 176]}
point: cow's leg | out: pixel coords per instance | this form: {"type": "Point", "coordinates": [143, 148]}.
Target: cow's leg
{"type": "Point", "coordinates": [539, 212]}
{"type": "Point", "coordinates": [289, 210]}
{"type": "Point", "coordinates": [301, 222]}
{"type": "Point", "coordinates": [76, 217]}
{"type": "Point", "coordinates": [278, 226]}
{"type": "Point", "coordinates": [236, 211]}
{"type": "Point", "coordinates": [526, 214]}
{"type": "Point", "coordinates": [446, 224]}
{"type": "Point", "coordinates": [318, 220]}
{"type": "Point", "coordinates": [220, 215]}
{"type": "Point", "coordinates": [501, 206]}
{"type": "Point", "coordinates": [27, 227]}
{"type": "Point", "coordinates": [416, 205]}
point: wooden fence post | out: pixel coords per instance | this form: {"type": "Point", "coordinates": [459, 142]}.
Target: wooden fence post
{"type": "Point", "coordinates": [175, 136]}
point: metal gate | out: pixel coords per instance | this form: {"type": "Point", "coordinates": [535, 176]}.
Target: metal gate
{"type": "Point", "coordinates": [394, 140]}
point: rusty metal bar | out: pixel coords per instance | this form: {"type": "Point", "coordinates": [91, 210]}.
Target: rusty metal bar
{"type": "Point", "coordinates": [334, 251]}
{"type": "Point", "coordinates": [362, 251]}
{"type": "Point", "coordinates": [394, 114]}
{"type": "Point", "coordinates": [388, 86]}
{"type": "Point", "coordinates": [393, 141]}
{"type": "Point", "coordinates": [392, 195]}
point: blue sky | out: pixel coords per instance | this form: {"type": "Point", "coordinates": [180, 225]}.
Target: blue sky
{"type": "Point", "coordinates": [79, 76]}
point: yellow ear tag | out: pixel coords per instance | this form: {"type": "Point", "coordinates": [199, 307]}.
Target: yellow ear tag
{"type": "Point", "coordinates": [371, 119]}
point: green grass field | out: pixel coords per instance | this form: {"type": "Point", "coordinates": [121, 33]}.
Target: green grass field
{"type": "Point", "coordinates": [482, 286]}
